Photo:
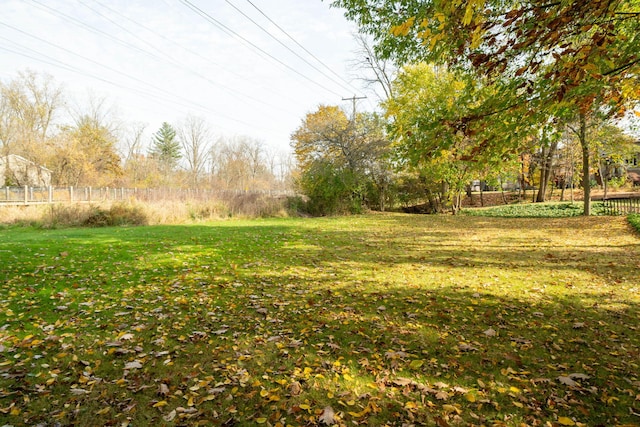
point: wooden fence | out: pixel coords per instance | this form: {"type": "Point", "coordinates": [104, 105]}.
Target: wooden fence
{"type": "Point", "coordinates": [622, 205]}
{"type": "Point", "coordinates": [42, 195]}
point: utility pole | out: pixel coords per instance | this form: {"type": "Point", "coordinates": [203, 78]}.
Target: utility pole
{"type": "Point", "coordinates": [354, 99]}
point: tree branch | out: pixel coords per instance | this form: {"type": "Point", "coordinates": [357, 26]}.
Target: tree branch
{"type": "Point", "coordinates": [622, 68]}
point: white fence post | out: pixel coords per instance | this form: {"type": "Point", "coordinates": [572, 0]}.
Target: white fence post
{"type": "Point", "coordinates": [71, 193]}
{"type": "Point", "coordinates": [50, 194]}
{"type": "Point", "coordinates": [26, 194]}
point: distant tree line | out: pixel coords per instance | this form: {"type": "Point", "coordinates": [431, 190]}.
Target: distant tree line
{"type": "Point", "coordinates": [88, 146]}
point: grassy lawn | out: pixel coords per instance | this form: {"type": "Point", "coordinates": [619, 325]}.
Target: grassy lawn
{"type": "Point", "coordinates": [372, 320]}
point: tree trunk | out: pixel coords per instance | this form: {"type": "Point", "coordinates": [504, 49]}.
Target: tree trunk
{"type": "Point", "coordinates": [603, 177]}
{"type": "Point", "coordinates": [504, 199]}
{"type": "Point", "coordinates": [546, 169]}
{"type": "Point", "coordinates": [586, 181]}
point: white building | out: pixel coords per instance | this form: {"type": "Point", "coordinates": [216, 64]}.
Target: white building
{"type": "Point", "coordinates": [16, 171]}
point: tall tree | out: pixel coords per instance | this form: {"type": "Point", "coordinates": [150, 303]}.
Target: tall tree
{"type": "Point", "coordinates": [195, 138]}
{"type": "Point", "coordinates": [340, 157]}
{"type": "Point", "coordinates": [432, 138]}
{"type": "Point", "coordinates": [86, 154]}
{"type": "Point", "coordinates": [165, 147]}
{"type": "Point", "coordinates": [29, 105]}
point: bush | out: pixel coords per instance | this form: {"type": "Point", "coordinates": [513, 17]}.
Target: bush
{"type": "Point", "coordinates": [126, 214]}
{"type": "Point", "coordinates": [331, 190]}
{"type": "Point", "coordinates": [95, 216]}
{"type": "Point", "coordinates": [618, 182]}
{"type": "Point", "coordinates": [634, 220]}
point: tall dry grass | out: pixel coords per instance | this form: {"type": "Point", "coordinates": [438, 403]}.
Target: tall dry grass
{"type": "Point", "coordinates": [143, 213]}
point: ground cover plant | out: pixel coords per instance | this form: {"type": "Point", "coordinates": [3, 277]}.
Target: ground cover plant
{"type": "Point", "coordinates": [384, 319]}
{"type": "Point", "coordinates": [537, 210]}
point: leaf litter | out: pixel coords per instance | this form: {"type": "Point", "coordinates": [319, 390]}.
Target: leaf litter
{"type": "Point", "coordinates": [446, 323]}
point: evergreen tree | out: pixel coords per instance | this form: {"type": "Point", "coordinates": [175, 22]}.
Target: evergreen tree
{"type": "Point", "coordinates": [165, 147]}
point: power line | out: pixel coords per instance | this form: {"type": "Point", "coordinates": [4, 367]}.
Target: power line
{"type": "Point", "coordinates": [228, 30]}
{"type": "Point", "coordinates": [57, 63]}
{"type": "Point", "coordinates": [282, 44]}
{"type": "Point", "coordinates": [151, 55]}
{"type": "Point", "coordinates": [299, 45]}
{"type": "Point", "coordinates": [93, 29]}
{"type": "Point", "coordinates": [123, 28]}
{"type": "Point", "coordinates": [182, 67]}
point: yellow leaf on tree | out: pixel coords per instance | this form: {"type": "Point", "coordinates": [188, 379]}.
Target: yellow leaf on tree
{"type": "Point", "coordinates": [476, 37]}
{"type": "Point", "coordinates": [404, 28]}
{"type": "Point", "coordinates": [468, 14]}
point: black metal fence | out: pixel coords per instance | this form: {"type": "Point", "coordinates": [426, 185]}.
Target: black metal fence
{"type": "Point", "coordinates": [622, 205]}
{"type": "Point", "coordinates": [41, 195]}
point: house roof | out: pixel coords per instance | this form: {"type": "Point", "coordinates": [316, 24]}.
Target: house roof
{"type": "Point", "coordinates": [21, 159]}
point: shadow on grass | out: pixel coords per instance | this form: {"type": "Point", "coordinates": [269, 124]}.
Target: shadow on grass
{"type": "Point", "coordinates": [385, 319]}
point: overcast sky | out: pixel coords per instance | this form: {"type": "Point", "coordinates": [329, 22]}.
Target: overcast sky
{"type": "Point", "coordinates": [161, 60]}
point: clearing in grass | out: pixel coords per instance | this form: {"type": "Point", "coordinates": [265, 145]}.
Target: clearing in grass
{"type": "Point", "coordinates": [369, 320]}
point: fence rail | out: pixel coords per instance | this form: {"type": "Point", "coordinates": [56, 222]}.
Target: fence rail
{"type": "Point", "coordinates": [621, 205]}
{"type": "Point", "coordinates": [42, 195]}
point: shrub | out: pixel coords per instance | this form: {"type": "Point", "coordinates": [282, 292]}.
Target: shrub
{"type": "Point", "coordinates": [79, 215]}
{"type": "Point", "coordinates": [634, 220]}
{"type": "Point", "coordinates": [331, 189]}
{"type": "Point", "coordinates": [127, 214]}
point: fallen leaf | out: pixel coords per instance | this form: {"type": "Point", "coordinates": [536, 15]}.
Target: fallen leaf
{"type": "Point", "coordinates": [133, 365]}
{"type": "Point", "coordinates": [170, 416]}
{"type": "Point", "coordinates": [579, 376]}
{"type": "Point", "coordinates": [416, 364]}
{"type": "Point", "coordinates": [566, 421]}
{"type": "Point", "coordinates": [442, 395]}
{"type": "Point", "coordinates": [163, 390]}
{"type": "Point", "coordinates": [328, 416]}
{"type": "Point", "coordinates": [490, 332]}
{"type": "Point", "coordinates": [467, 347]}
{"type": "Point", "coordinates": [295, 388]}
{"type": "Point", "coordinates": [567, 381]}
